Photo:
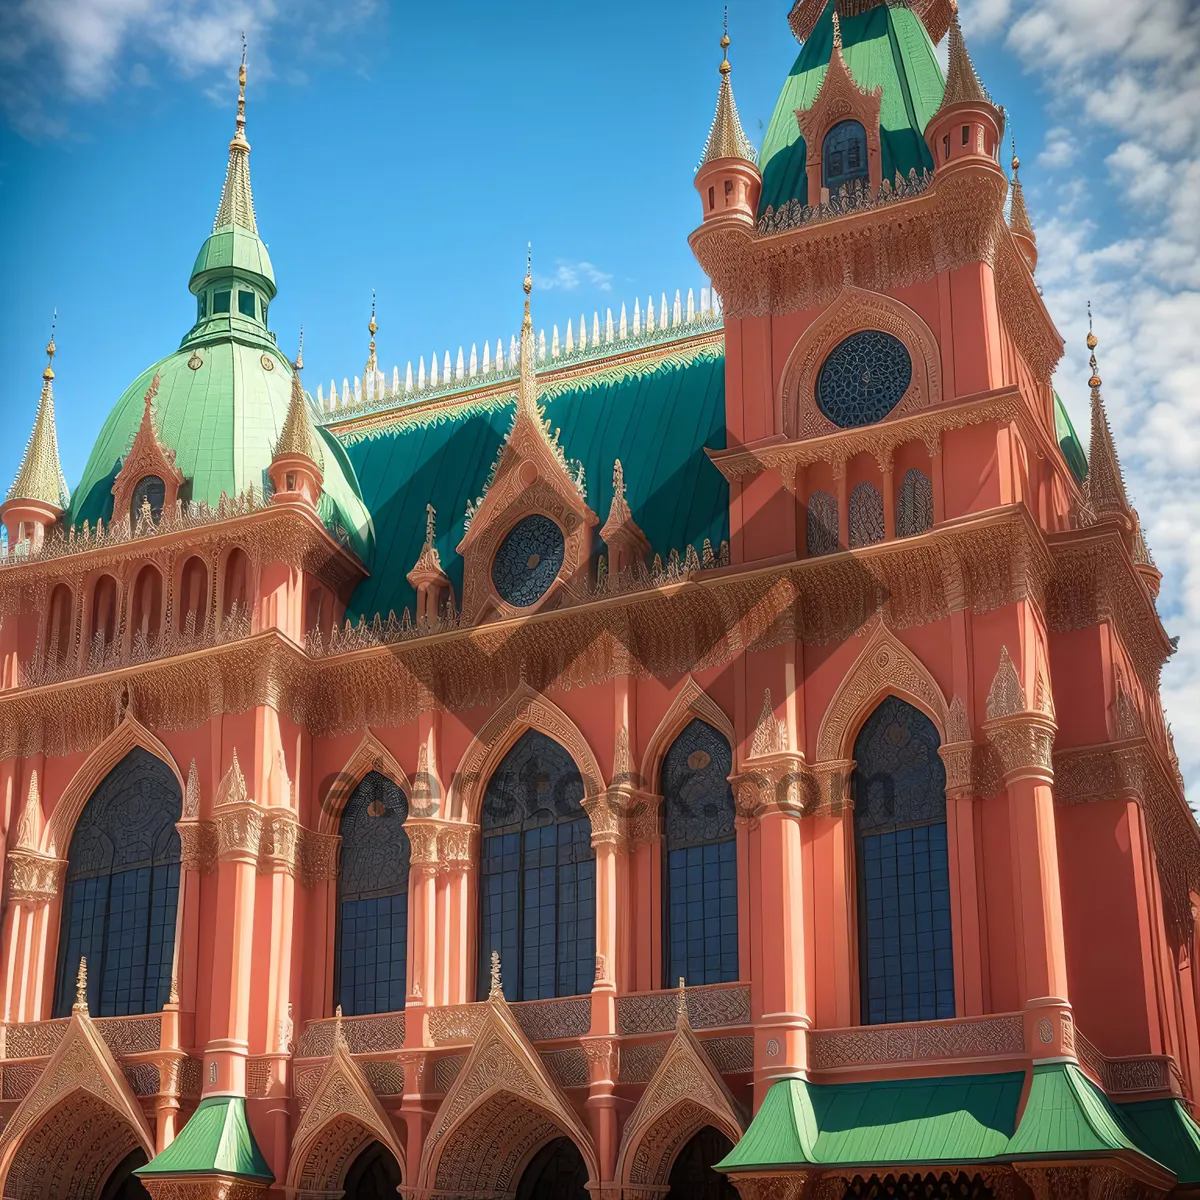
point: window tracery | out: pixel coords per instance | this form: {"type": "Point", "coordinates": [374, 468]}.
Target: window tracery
{"type": "Point", "coordinates": [866, 515]}
{"type": "Point", "coordinates": [700, 858]}
{"type": "Point", "coordinates": [863, 378]}
{"type": "Point", "coordinates": [373, 899]}
{"type": "Point", "coordinates": [899, 788]}
{"type": "Point", "coordinates": [122, 887]}
{"type": "Point", "coordinates": [914, 509]}
{"type": "Point", "coordinates": [537, 876]}
{"type": "Point", "coordinates": [821, 525]}
{"type": "Point", "coordinates": [528, 560]}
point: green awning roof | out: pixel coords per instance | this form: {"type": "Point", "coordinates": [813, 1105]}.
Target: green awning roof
{"type": "Point", "coordinates": [1164, 1129]}
{"type": "Point", "coordinates": [1068, 440]}
{"type": "Point", "coordinates": [216, 1140]}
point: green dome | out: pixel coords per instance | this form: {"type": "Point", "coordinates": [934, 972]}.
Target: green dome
{"type": "Point", "coordinates": [233, 248]}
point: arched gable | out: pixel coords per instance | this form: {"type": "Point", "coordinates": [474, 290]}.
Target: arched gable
{"type": "Point", "coordinates": [342, 1117]}
{"type": "Point", "coordinates": [82, 1102]}
{"type": "Point", "coordinates": [854, 310]}
{"type": "Point", "coordinates": [370, 755]}
{"type": "Point", "coordinates": [501, 1108]}
{"type": "Point", "coordinates": [691, 702]}
{"type": "Point", "coordinates": [685, 1094]}
{"type": "Point", "coordinates": [885, 666]}
{"type": "Point", "coordinates": [526, 708]}
{"type": "Point", "coordinates": [128, 735]}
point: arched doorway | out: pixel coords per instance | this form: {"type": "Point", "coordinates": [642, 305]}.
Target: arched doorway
{"type": "Point", "coordinates": [692, 1176]}
{"type": "Point", "coordinates": [556, 1172]}
{"type": "Point", "coordinates": [373, 1175]}
{"type": "Point", "coordinates": [123, 1184]}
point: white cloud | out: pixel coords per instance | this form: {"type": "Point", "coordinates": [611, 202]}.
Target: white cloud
{"type": "Point", "coordinates": [1059, 148]}
{"type": "Point", "coordinates": [568, 276]}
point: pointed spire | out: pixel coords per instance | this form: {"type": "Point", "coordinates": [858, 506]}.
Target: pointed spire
{"type": "Point", "coordinates": [81, 1003]}
{"type": "Point", "coordinates": [527, 386]}
{"type": "Point", "coordinates": [298, 435]}
{"type": "Point", "coordinates": [237, 201]}
{"type": "Point", "coordinates": [1018, 218]}
{"type": "Point", "coordinates": [30, 825]}
{"type": "Point", "coordinates": [681, 1008]}
{"type": "Point", "coordinates": [1105, 482]}
{"type": "Point", "coordinates": [496, 988]}
{"type": "Point", "coordinates": [371, 369]}
{"type": "Point", "coordinates": [40, 475]}
{"type": "Point", "coordinates": [726, 138]}
{"type": "Point", "coordinates": [962, 83]}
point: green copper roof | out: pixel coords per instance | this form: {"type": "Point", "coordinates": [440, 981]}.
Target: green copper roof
{"type": "Point", "coordinates": [231, 249]}
{"type": "Point", "coordinates": [885, 47]}
{"type": "Point", "coordinates": [955, 1119]}
{"type": "Point", "coordinates": [657, 422]}
{"type": "Point", "coordinates": [1068, 441]}
{"type": "Point", "coordinates": [222, 420]}
{"type": "Point", "coordinates": [1166, 1131]}
{"type": "Point", "coordinates": [216, 1140]}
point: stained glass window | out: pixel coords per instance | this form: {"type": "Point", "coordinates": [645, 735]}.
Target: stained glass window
{"type": "Point", "coordinates": [528, 561]}
{"type": "Point", "coordinates": [866, 515]}
{"type": "Point", "coordinates": [821, 527]}
{"type": "Point", "coordinates": [537, 888]}
{"type": "Point", "coordinates": [864, 378]}
{"type": "Point", "coordinates": [700, 859]}
{"type": "Point", "coordinates": [151, 489]}
{"type": "Point", "coordinates": [914, 510]}
{"type": "Point", "coordinates": [122, 886]}
{"type": "Point", "coordinates": [373, 899]}
{"type": "Point", "coordinates": [844, 155]}
{"type": "Point", "coordinates": [906, 961]}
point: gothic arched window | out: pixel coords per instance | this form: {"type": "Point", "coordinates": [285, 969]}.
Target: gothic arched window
{"type": "Point", "coordinates": [122, 886]}
{"type": "Point", "coordinates": [150, 490]}
{"type": "Point", "coordinates": [372, 935]}
{"type": "Point", "coordinates": [866, 515]}
{"type": "Point", "coordinates": [914, 509]}
{"type": "Point", "coordinates": [700, 859]}
{"type": "Point", "coordinates": [821, 527]}
{"type": "Point", "coordinates": [906, 963]}
{"type": "Point", "coordinates": [537, 885]}
{"type": "Point", "coordinates": [844, 155]}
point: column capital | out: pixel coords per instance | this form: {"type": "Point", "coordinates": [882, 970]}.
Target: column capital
{"type": "Point", "coordinates": [1024, 744]}
{"type": "Point", "coordinates": [280, 839]}
{"type": "Point", "coordinates": [423, 841]}
{"type": "Point", "coordinates": [34, 878]}
{"type": "Point", "coordinates": [197, 845]}
{"type": "Point", "coordinates": [239, 826]}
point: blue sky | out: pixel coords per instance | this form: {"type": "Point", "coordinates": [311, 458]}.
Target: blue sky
{"type": "Point", "coordinates": [415, 149]}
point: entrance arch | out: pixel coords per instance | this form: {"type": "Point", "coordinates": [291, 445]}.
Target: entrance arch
{"type": "Point", "coordinates": [556, 1172]}
{"type": "Point", "coordinates": [692, 1176]}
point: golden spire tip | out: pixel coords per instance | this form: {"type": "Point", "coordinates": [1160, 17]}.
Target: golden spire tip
{"type": "Point", "coordinates": [298, 365]}
{"type": "Point", "coordinates": [1092, 343]}
{"type": "Point", "coordinates": [51, 349]}
{"type": "Point", "coordinates": [529, 268]}
{"type": "Point", "coordinates": [725, 43]}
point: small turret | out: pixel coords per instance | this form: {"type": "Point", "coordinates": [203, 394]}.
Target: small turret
{"type": "Point", "coordinates": [967, 126]}
{"type": "Point", "coordinates": [38, 496]}
{"type": "Point", "coordinates": [296, 466]}
{"type": "Point", "coordinates": [728, 178]}
{"type": "Point", "coordinates": [1106, 493]}
{"type": "Point", "coordinates": [1018, 218]}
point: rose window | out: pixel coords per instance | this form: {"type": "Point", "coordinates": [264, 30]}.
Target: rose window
{"type": "Point", "coordinates": [864, 378]}
{"type": "Point", "coordinates": [528, 561]}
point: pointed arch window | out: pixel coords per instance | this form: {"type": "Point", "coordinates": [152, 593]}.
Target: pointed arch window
{"type": "Point", "coordinates": [866, 515]}
{"type": "Point", "coordinates": [821, 526]}
{"type": "Point", "coordinates": [699, 859]}
{"type": "Point", "coordinates": [152, 490]}
{"type": "Point", "coordinates": [537, 887]}
{"type": "Point", "coordinates": [906, 964]}
{"type": "Point", "coordinates": [844, 155]}
{"type": "Point", "coordinates": [122, 888]}
{"type": "Point", "coordinates": [372, 940]}
{"type": "Point", "coordinates": [914, 509]}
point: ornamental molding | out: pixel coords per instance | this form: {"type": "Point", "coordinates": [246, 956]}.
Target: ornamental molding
{"type": "Point", "coordinates": [280, 841]}
{"type": "Point", "coordinates": [33, 878]}
{"type": "Point", "coordinates": [691, 702]}
{"type": "Point", "coordinates": [685, 1093]}
{"type": "Point", "coordinates": [197, 846]}
{"type": "Point", "coordinates": [854, 311]}
{"type": "Point", "coordinates": [958, 219]}
{"type": "Point", "coordinates": [239, 829]}
{"type": "Point", "coordinates": [342, 1115]}
{"type": "Point", "coordinates": [501, 1106]}
{"type": "Point", "coordinates": [370, 755]}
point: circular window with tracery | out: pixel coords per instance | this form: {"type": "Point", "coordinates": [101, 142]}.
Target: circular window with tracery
{"type": "Point", "coordinates": [864, 378]}
{"type": "Point", "coordinates": [528, 561]}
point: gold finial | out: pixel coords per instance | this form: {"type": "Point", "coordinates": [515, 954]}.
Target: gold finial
{"type": "Point", "coordinates": [51, 349]}
{"type": "Point", "coordinates": [371, 326]}
{"type": "Point", "coordinates": [681, 1011]}
{"type": "Point", "coordinates": [496, 990]}
{"type": "Point", "coordinates": [241, 108]}
{"type": "Point", "coordinates": [528, 269]}
{"type": "Point", "coordinates": [1016, 162]}
{"type": "Point", "coordinates": [725, 68]}
{"type": "Point", "coordinates": [837, 32]}
{"type": "Point", "coordinates": [1092, 343]}
{"type": "Point", "coordinates": [298, 365]}
{"type": "Point", "coordinates": [430, 524]}
{"type": "Point", "coordinates": [81, 1004]}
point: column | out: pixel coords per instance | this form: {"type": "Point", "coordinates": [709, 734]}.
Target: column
{"type": "Point", "coordinates": [456, 840]}
{"type": "Point", "coordinates": [422, 922]}
{"type": "Point", "coordinates": [889, 498]}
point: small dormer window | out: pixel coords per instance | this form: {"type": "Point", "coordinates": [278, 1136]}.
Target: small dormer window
{"type": "Point", "coordinates": [844, 155]}
{"type": "Point", "coordinates": [246, 304]}
{"type": "Point", "coordinates": [152, 490]}
{"type": "Point", "coordinates": [528, 561]}
{"type": "Point", "coordinates": [220, 302]}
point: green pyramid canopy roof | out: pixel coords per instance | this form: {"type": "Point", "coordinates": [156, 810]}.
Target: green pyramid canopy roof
{"type": "Point", "coordinates": [216, 1140]}
{"type": "Point", "coordinates": [1165, 1129]}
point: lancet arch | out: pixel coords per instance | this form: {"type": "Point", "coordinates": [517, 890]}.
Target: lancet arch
{"type": "Point", "coordinates": [854, 311]}
{"type": "Point", "coordinates": [370, 755]}
{"type": "Point", "coordinates": [128, 735]}
{"type": "Point", "coordinates": [885, 665]}
{"type": "Point", "coordinates": [690, 703]}
{"type": "Point", "coordinates": [526, 708]}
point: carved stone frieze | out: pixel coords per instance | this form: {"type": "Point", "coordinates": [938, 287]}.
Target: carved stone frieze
{"type": "Point", "coordinates": [239, 831]}
{"type": "Point", "coordinates": [197, 845]}
{"type": "Point", "coordinates": [1024, 745]}
{"type": "Point", "coordinates": [33, 878]}
{"type": "Point", "coordinates": [280, 839]}
{"type": "Point", "coordinates": [317, 856]}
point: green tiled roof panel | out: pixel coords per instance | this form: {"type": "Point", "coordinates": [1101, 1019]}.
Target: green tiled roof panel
{"type": "Point", "coordinates": [1068, 441]}
{"type": "Point", "coordinates": [885, 47]}
{"type": "Point", "coordinates": [658, 422]}
{"type": "Point", "coordinates": [1165, 1130]}
{"type": "Point", "coordinates": [222, 420]}
{"type": "Point", "coordinates": [216, 1139]}
{"type": "Point", "coordinates": [955, 1119]}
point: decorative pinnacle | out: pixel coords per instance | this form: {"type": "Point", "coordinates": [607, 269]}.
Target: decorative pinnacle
{"type": "Point", "coordinates": [240, 132]}
{"type": "Point", "coordinates": [237, 201]}
{"type": "Point", "coordinates": [298, 365]}
{"type": "Point", "coordinates": [430, 524]}
{"type": "Point", "coordinates": [681, 1009]}
{"type": "Point", "coordinates": [81, 1004]}
{"type": "Point", "coordinates": [962, 81]}
{"type": "Point", "coordinates": [837, 32]}
{"type": "Point", "coordinates": [725, 43]}
{"type": "Point", "coordinates": [1092, 342]}
{"type": "Point", "coordinates": [51, 349]}
{"type": "Point", "coordinates": [496, 990]}
{"type": "Point", "coordinates": [40, 475]}
{"type": "Point", "coordinates": [726, 139]}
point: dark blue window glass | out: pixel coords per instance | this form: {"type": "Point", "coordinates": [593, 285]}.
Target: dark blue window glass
{"type": "Point", "coordinates": [700, 859]}
{"type": "Point", "coordinates": [906, 962]}
{"type": "Point", "coordinates": [844, 155]}
{"type": "Point", "coordinates": [372, 944]}
{"type": "Point", "coordinates": [122, 888]}
{"type": "Point", "coordinates": [864, 378]}
{"type": "Point", "coordinates": [537, 887]}
{"type": "Point", "coordinates": [528, 561]}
